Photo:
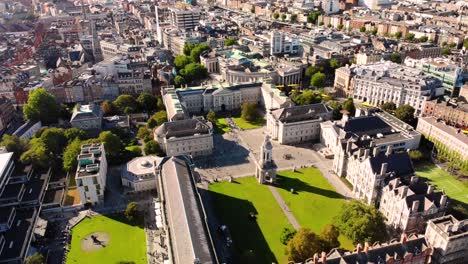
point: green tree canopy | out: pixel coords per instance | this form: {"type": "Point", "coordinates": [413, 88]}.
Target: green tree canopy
{"type": "Point", "coordinates": [334, 63]}
{"type": "Point", "coordinates": [249, 111]}
{"type": "Point", "coordinates": [188, 47]}
{"type": "Point", "coordinates": [229, 41]}
{"type": "Point", "coordinates": [108, 108]}
{"type": "Point", "coordinates": [112, 144]}
{"type": "Point", "coordinates": [423, 39]}
{"type": "Point", "coordinates": [35, 258]}
{"type": "Point", "coordinates": [398, 34]}
{"type": "Point", "coordinates": [195, 52]}
{"type": "Point", "coordinates": [179, 81]}
{"type": "Point", "coordinates": [405, 113]}
{"type": "Point", "coordinates": [134, 151]}
{"type": "Point", "coordinates": [286, 235]}
{"type": "Point", "coordinates": [73, 133]}
{"type": "Point", "coordinates": [126, 104]}
{"type": "Point", "coordinates": [147, 102]}
{"type": "Point", "coordinates": [70, 155]}
{"type": "Point", "coordinates": [283, 17]}
{"type": "Point", "coordinates": [317, 80]}
{"type": "Point", "coordinates": [41, 106]}
{"type": "Point", "coordinates": [311, 70]}
{"type": "Point", "coordinates": [388, 106]}
{"type": "Point", "coordinates": [340, 27]}
{"type": "Point", "coordinates": [329, 236]}
{"type": "Point", "coordinates": [293, 18]}
{"type": "Point", "coordinates": [194, 71]}
{"type": "Point", "coordinates": [336, 107]}
{"type": "Point", "coordinates": [180, 61]}
{"type": "Point", "coordinates": [303, 245]}
{"type": "Point", "coordinates": [131, 212]}
{"type": "Point", "coordinates": [395, 57]}
{"type": "Point", "coordinates": [144, 134]}
{"type": "Point", "coordinates": [307, 97]}
{"type": "Point", "coordinates": [160, 117]}
{"type": "Point", "coordinates": [211, 116]}
{"type": "Point", "coordinates": [465, 43]}
{"type": "Point", "coordinates": [14, 144]}
{"type": "Point", "coordinates": [361, 222]}
{"type": "Point", "coordinates": [55, 140]}
{"type": "Point", "coordinates": [409, 36]}
{"type": "Point", "coordinates": [152, 147]}
{"type": "Point", "coordinates": [37, 154]}
{"type": "Point", "coordinates": [349, 106]}
{"type": "Point", "coordinates": [446, 51]}
{"type": "Point", "coordinates": [276, 16]}
{"type": "Point", "coordinates": [362, 29]}
{"type": "Point", "coordinates": [312, 17]}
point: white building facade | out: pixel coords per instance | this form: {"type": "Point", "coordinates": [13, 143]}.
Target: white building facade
{"type": "Point", "coordinates": [91, 173]}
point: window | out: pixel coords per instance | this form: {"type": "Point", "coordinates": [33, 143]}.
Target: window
{"type": "Point", "coordinates": [95, 180]}
{"type": "Point", "coordinates": [86, 188]}
{"type": "Point", "coordinates": [98, 187]}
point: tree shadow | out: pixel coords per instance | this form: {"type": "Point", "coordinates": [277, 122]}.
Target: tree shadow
{"type": "Point", "coordinates": [299, 186]}
{"type": "Point", "coordinates": [249, 244]}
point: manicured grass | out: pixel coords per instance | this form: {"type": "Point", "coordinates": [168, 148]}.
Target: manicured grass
{"type": "Point", "coordinates": [244, 124]}
{"type": "Point", "coordinates": [314, 202]}
{"type": "Point", "coordinates": [127, 242]}
{"type": "Point", "coordinates": [233, 203]}
{"type": "Point", "coordinates": [443, 181]}
{"type": "Point", "coordinates": [221, 126]}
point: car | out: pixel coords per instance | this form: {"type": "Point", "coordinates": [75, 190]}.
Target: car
{"type": "Point", "coordinates": [224, 230]}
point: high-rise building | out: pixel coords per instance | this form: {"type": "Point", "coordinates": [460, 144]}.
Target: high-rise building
{"type": "Point", "coordinates": [185, 18]}
{"type": "Point", "coordinates": [91, 173]}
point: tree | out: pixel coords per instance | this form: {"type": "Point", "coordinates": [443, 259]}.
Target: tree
{"type": "Point", "coordinates": [361, 222]}
{"type": "Point", "coordinates": [395, 57]}
{"type": "Point", "coordinates": [293, 18]}
{"type": "Point", "coordinates": [37, 155]}
{"type": "Point", "coordinates": [307, 97]}
{"type": "Point", "coordinates": [465, 43]}
{"type": "Point", "coordinates": [229, 41]}
{"type": "Point", "coordinates": [194, 71]}
{"type": "Point", "coordinates": [160, 117]}
{"type": "Point", "coordinates": [188, 47]}
{"type": "Point", "coordinates": [329, 236]}
{"type": "Point", "coordinates": [144, 134]}
{"type": "Point", "coordinates": [195, 52]}
{"type": "Point", "coordinates": [445, 51]}
{"type": "Point", "coordinates": [349, 106]}
{"type": "Point", "coordinates": [334, 64]}
{"type": "Point", "coordinates": [108, 108]}
{"type": "Point", "coordinates": [452, 45]}
{"type": "Point", "coordinates": [131, 212]}
{"type": "Point", "coordinates": [112, 144]}
{"type": "Point", "coordinates": [151, 123]}
{"type": "Point", "coordinates": [374, 31]}
{"type": "Point", "coordinates": [321, 23]}
{"type": "Point", "coordinates": [211, 116]}
{"type": "Point", "coordinates": [409, 36]}
{"type": "Point", "coordinates": [180, 61]}
{"type": "Point", "coordinates": [362, 29]}
{"type": "Point", "coordinates": [423, 39]}
{"type": "Point", "coordinates": [340, 27]}
{"type": "Point", "coordinates": [303, 245]}
{"type": "Point", "coordinates": [416, 155]}
{"type": "Point", "coordinates": [152, 147]}
{"type": "Point", "coordinates": [405, 113]}
{"type": "Point", "coordinates": [312, 17]}
{"type": "Point", "coordinates": [252, 10]}
{"type": "Point", "coordinates": [249, 111]}
{"type": "Point", "coordinates": [160, 103]}
{"type": "Point", "coordinates": [336, 107]}
{"type": "Point", "coordinates": [70, 154]}
{"type": "Point", "coordinates": [398, 34]}
{"type": "Point", "coordinates": [147, 102]}
{"type": "Point", "coordinates": [276, 16]}
{"type": "Point", "coordinates": [388, 107]}
{"type": "Point", "coordinates": [55, 140]}
{"type": "Point", "coordinates": [126, 103]}
{"type": "Point", "coordinates": [286, 235]}
{"type": "Point", "coordinates": [14, 144]}
{"type": "Point", "coordinates": [73, 133]}
{"type": "Point", "coordinates": [179, 81]}
{"type": "Point", "coordinates": [41, 106]}
{"type": "Point", "coordinates": [35, 258]}
{"type": "Point", "coordinates": [317, 80]}
{"type": "Point", "coordinates": [329, 25]}
{"type": "Point", "coordinates": [311, 70]}
{"type": "Point", "coordinates": [133, 151]}
{"type": "Point", "coordinates": [283, 17]}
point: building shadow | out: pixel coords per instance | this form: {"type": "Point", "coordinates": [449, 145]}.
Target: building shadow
{"type": "Point", "coordinates": [248, 242]}
{"type": "Point", "coordinates": [299, 186]}
{"type": "Point", "coordinates": [226, 153]}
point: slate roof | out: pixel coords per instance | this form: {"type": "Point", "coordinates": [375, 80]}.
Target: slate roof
{"type": "Point", "coordinates": [301, 113]}
{"type": "Point", "coordinates": [399, 163]}
{"type": "Point", "coordinates": [184, 128]}
{"type": "Point", "coordinates": [367, 125]}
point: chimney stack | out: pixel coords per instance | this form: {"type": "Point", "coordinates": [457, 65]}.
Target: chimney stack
{"type": "Point", "coordinates": [389, 150]}
{"type": "Point", "coordinates": [383, 169]}
{"type": "Point", "coordinates": [404, 191]}
{"type": "Point", "coordinates": [358, 248]}
{"type": "Point", "coordinates": [415, 206]}
{"type": "Point", "coordinates": [324, 257]}
{"type": "Point", "coordinates": [443, 200]}
{"type": "Point", "coordinates": [403, 238]}
{"type": "Point", "coordinates": [414, 179]}
{"type": "Point", "coordinates": [375, 152]}
{"type": "Point", "coordinates": [316, 258]}
{"type": "Point", "coordinates": [366, 247]}
{"type": "Point", "coordinates": [366, 153]}
{"type": "Point", "coordinates": [348, 146]}
{"type": "Point", "coordinates": [430, 189]}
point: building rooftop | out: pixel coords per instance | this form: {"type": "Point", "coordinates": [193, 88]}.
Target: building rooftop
{"type": "Point", "coordinates": [184, 128]}
{"type": "Point", "coordinates": [140, 167]}
{"type": "Point", "coordinates": [89, 160]}
{"type": "Point", "coordinates": [452, 131]}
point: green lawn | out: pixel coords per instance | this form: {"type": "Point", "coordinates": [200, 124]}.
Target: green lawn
{"type": "Point", "coordinates": [127, 242]}
{"type": "Point", "coordinates": [443, 181]}
{"type": "Point", "coordinates": [222, 126]}
{"type": "Point", "coordinates": [244, 124]}
{"type": "Point", "coordinates": [314, 202]}
{"type": "Point", "coordinates": [257, 241]}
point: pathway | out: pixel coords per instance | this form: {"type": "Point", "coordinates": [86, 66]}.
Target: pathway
{"type": "Point", "coordinates": [284, 207]}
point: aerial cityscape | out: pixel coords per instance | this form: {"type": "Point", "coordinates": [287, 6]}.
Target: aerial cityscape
{"type": "Point", "coordinates": [233, 131]}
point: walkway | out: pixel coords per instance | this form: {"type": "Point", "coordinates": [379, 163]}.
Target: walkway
{"type": "Point", "coordinates": [284, 207]}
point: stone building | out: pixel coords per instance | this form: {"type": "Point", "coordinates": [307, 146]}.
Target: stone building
{"type": "Point", "coordinates": [297, 124]}
{"type": "Point", "coordinates": [6, 112]}
{"type": "Point", "coordinates": [407, 207]}
{"type": "Point", "coordinates": [190, 136]}
{"type": "Point", "coordinates": [449, 237]}
{"type": "Point", "coordinates": [266, 167]}
{"type": "Point", "coordinates": [140, 173]}
{"type": "Point", "coordinates": [87, 117]}
{"type": "Point", "coordinates": [91, 173]}
{"type": "Point", "coordinates": [452, 112]}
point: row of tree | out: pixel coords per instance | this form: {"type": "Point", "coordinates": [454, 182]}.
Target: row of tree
{"type": "Point", "coordinates": [127, 104]}
{"type": "Point", "coordinates": [188, 65]}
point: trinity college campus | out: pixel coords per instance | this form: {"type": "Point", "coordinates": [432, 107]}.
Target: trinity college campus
{"type": "Point", "coordinates": [233, 132]}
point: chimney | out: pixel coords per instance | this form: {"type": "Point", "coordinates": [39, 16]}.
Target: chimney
{"type": "Point", "coordinates": [348, 146]}
{"type": "Point", "coordinates": [414, 179]}
{"type": "Point", "coordinates": [404, 191]}
{"type": "Point", "coordinates": [366, 153]}
{"type": "Point", "coordinates": [415, 206]}
{"type": "Point", "coordinates": [403, 238]}
{"type": "Point", "coordinates": [316, 258]}
{"type": "Point", "coordinates": [389, 150]}
{"type": "Point", "coordinates": [448, 228]}
{"type": "Point", "coordinates": [383, 169]}
{"type": "Point", "coordinates": [344, 119]}
{"type": "Point", "coordinates": [375, 152]}
{"type": "Point", "coordinates": [358, 248]}
{"type": "Point", "coordinates": [366, 247]}
{"type": "Point", "coordinates": [430, 189]}
{"type": "Point", "coordinates": [443, 200]}
{"type": "Point", "coordinates": [397, 182]}
{"type": "Point", "coordinates": [324, 257]}
{"type": "Point", "coordinates": [372, 144]}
